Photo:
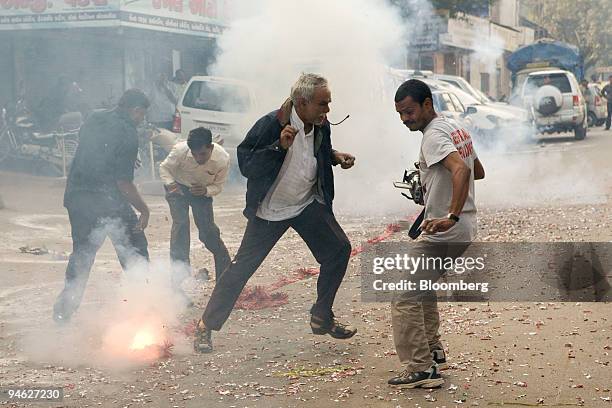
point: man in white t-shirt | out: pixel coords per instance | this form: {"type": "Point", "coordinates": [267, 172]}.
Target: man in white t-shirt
{"type": "Point", "coordinates": [448, 166]}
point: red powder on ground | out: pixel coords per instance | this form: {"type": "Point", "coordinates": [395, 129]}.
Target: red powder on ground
{"type": "Point", "coordinates": [260, 297]}
{"type": "Point", "coordinates": [263, 297]}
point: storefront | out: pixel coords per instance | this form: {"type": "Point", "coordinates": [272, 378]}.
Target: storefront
{"type": "Point", "coordinates": [472, 47]}
{"type": "Point", "coordinates": [103, 45]}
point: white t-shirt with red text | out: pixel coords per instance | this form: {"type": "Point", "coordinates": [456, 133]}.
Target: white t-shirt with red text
{"type": "Point", "coordinates": [441, 137]}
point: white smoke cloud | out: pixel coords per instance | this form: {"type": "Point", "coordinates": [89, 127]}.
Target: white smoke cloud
{"type": "Point", "coordinates": [127, 326]}
{"type": "Point", "coordinates": [351, 42]}
{"type": "Point", "coordinates": [488, 50]}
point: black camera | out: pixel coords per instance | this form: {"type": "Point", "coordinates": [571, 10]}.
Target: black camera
{"type": "Point", "coordinates": [412, 183]}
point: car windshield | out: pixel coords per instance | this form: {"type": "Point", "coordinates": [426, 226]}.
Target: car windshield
{"type": "Point", "coordinates": [464, 97]}
{"type": "Point", "coordinates": [559, 81]}
{"type": "Point", "coordinates": [475, 93]}
{"type": "Point", "coordinates": [478, 95]}
{"type": "Point", "coordinates": [483, 97]}
{"type": "Point", "coordinates": [436, 85]}
{"type": "Point", "coordinates": [217, 96]}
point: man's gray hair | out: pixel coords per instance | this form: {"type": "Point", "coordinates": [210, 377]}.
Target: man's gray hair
{"type": "Point", "coordinates": [305, 86]}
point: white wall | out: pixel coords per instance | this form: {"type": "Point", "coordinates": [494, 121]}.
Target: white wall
{"type": "Point", "coordinates": [506, 12]}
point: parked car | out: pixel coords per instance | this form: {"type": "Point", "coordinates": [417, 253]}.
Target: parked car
{"type": "Point", "coordinates": [556, 102]}
{"type": "Point", "coordinates": [485, 120]}
{"type": "Point", "coordinates": [464, 85]}
{"type": "Point", "coordinates": [596, 106]}
{"type": "Point", "coordinates": [219, 104]}
{"type": "Point", "coordinates": [447, 104]}
{"type": "Point", "coordinates": [480, 96]}
{"type": "Point", "coordinates": [222, 105]}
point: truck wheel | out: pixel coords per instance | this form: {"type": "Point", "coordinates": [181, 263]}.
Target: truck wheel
{"type": "Point", "coordinates": [580, 132]}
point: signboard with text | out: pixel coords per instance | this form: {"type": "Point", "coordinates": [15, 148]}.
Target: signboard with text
{"type": "Point", "coordinates": [204, 17]}
{"type": "Point", "coordinates": [33, 14]}
{"type": "Point", "coordinates": [200, 17]}
{"type": "Point", "coordinates": [426, 38]}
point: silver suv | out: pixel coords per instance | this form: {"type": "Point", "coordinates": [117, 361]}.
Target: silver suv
{"type": "Point", "coordinates": [556, 102]}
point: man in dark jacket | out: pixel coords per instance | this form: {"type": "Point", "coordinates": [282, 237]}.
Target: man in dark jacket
{"type": "Point", "coordinates": [100, 194]}
{"type": "Point", "coordinates": [607, 93]}
{"type": "Point", "coordinates": [287, 158]}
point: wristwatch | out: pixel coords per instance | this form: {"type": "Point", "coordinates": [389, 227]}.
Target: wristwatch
{"type": "Point", "coordinates": [453, 217]}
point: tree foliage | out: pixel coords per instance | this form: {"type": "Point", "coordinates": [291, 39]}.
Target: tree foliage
{"type": "Point", "coordinates": [453, 8]}
{"type": "Point", "coordinates": [584, 23]}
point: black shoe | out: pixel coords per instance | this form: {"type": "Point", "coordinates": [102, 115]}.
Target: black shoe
{"type": "Point", "coordinates": [60, 315]}
{"type": "Point", "coordinates": [439, 357]}
{"type": "Point", "coordinates": [420, 379]}
{"type": "Point", "coordinates": [61, 318]}
{"type": "Point", "coordinates": [202, 343]}
{"type": "Point", "coordinates": [332, 327]}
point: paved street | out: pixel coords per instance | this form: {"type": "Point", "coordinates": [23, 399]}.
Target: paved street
{"type": "Point", "coordinates": [558, 353]}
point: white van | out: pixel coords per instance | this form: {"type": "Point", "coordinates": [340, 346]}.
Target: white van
{"type": "Point", "coordinates": [219, 104]}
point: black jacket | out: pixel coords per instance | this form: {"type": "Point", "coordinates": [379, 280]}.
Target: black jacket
{"type": "Point", "coordinates": [260, 158]}
{"type": "Point", "coordinates": [607, 93]}
{"type": "Point", "coordinates": [107, 151]}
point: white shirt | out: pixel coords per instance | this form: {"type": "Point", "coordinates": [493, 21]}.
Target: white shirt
{"type": "Point", "coordinates": [294, 187]}
{"type": "Point", "coordinates": [181, 167]}
{"type": "Point", "coordinates": [441, 137]}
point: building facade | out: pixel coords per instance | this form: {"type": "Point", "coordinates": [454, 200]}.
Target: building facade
{"type": "Point", "coordinates": [473, 47]}
{"type": "Point", "coordinates": [106, 46]}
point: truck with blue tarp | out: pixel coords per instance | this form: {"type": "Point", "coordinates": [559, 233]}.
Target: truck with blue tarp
{"type": "Point", "coordinates": [545, 78]}
{"type": "Point", "coordinates": [544, 54]}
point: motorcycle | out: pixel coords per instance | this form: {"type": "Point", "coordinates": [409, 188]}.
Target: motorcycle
{"type": "Point", "coordinates": [21, 139]}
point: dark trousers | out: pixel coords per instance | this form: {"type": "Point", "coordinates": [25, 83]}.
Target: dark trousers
{"type": "Point", "coordinates": [208, 232]}
{"type": "Point", "coordinates": [318, 227]}
{"type": "Point", "coordinates": [89, 230]}
{"type": "Point", "coordinates": [609, 117]}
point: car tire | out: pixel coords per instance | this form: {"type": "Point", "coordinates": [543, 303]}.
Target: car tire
{"type": "Point", "coordinates": [580, 132]}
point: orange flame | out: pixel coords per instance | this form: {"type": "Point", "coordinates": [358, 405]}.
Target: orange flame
{"type": "Point", "coordinates": [143, 339]}
{"type": "Point", "coordinates": [140, 339]}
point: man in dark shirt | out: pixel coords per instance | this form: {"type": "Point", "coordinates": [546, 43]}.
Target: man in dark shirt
{"type": "Point", "coordinates": [607, 93]}
{"type": "Point", "coordinates": [100, 194]}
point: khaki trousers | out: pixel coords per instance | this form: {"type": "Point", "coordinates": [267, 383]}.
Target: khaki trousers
{"type": "Point", "coordinates": [415, 316]}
